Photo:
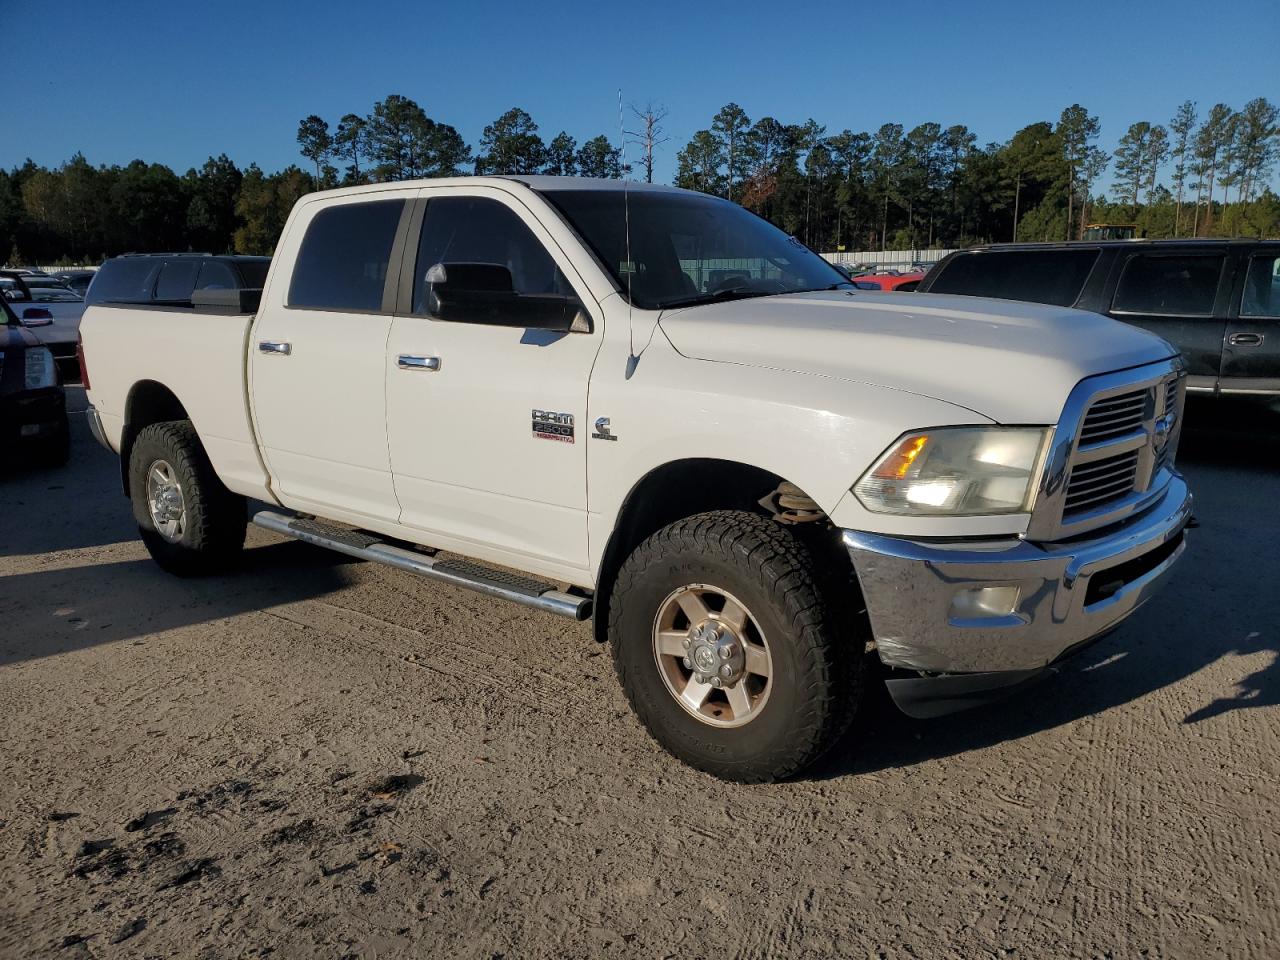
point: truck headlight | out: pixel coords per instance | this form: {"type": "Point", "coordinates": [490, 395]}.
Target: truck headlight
{"type": "Point", "coordinates": [40, 372]}
{"type": "Point", "coordinates": [956, 471]}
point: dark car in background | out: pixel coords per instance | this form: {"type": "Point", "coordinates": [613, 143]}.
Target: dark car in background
{"type": "Point", "coordinates": [55, 310]}
{"type": "Point", "coordinates": [173, 277]}
{"type": "Point", "coordinates": [1217, 301]}
{"type": "Point", "coordinates": [33, 405]}
{"type": "Point", "coordinates": [77, 280]}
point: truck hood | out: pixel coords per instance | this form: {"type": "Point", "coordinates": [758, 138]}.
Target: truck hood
{"type": "Point", "coordinates": [1011, 362]}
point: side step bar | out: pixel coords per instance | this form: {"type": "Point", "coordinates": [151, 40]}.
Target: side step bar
{"type": "Point", "coordinates": [460, 573]}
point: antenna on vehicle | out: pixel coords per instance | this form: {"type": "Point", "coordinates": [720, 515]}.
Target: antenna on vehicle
{"type": "Point", "coordinates": [632, 359]}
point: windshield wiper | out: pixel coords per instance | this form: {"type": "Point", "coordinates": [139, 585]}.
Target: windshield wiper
{"type": "Point", "coordinates": [835, 286]}
{"type": "Point", "coordinates": [728, 293]}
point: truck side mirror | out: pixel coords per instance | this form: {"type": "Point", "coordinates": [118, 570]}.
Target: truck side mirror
{"type": "Point", "coordinates": [484, 293]}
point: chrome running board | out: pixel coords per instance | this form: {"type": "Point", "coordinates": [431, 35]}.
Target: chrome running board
{"type": "Point", "coordinates": [459, 573]}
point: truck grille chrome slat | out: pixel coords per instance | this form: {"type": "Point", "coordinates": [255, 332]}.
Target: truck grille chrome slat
{"type": "Point", "coordinates": [1121, 480]}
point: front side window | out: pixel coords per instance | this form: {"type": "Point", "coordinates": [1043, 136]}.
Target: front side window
{"type": "Point", "coordinates": [481, 230]}
{"type": "Point", "coordinates": [1177, 286]}
{"type": "Point", "coordinates": [689, 248]}
{"type": "Point", "coordinates": [342, 263]}
{"type": "Point", "coordinates": [1262, 288]}
{"type": "Point", "coordinates": [1034, 276]}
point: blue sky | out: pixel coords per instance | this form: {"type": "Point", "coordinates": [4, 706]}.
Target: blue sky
{"type": "Point", "coordinates": [175, 82]}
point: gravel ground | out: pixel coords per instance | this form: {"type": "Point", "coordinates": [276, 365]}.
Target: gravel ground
{"type": "Point", "coordinates": [315, 757]}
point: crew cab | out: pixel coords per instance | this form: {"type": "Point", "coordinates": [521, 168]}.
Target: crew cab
{"type": "Point", "coordinates": [1217, 301]}
{"type": "Point", "coordinates": [649, 407]}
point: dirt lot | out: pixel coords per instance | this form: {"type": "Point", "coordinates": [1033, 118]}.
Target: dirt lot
{"type": "Point", "coordinates": [323, 758]}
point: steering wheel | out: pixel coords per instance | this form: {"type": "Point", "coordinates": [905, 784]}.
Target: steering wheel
{"type": "Point", "coordinates": [731, 281]}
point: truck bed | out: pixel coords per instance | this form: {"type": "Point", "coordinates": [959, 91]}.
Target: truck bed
{"type": "Point", "coordinates": [198, 353]}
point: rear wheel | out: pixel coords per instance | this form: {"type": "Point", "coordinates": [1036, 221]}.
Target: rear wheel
{"type": "Point", "coordinates": [190, 522]}
{"type": "Point", "coordinates": [728, 649]}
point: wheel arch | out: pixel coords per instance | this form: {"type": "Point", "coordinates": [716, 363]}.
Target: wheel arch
{"type": "Point", "coordinates": [679, 489]}
{"type": "Point", "coordinates": [149, 402]}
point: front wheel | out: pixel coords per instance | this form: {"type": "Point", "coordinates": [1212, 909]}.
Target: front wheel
{"type": "Point", "coordinates": [728, 650]}
{"type": "Point", "coordinates": [190, 522]}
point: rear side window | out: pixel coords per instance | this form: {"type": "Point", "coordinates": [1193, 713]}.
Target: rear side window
{"type": "Point", "coordinates": [1177, 286]}
{"type": "Point", "coordinates": [1035, 276]}
{"type": "Point", "coordinates": [1262, 288]}
{"type": "Point", "coordinates": [253, 273]}
{"type": "Point", "coordinates": [177, 279]}
{"type": "Point", "coordinates": [126, 279]}
{"type": "Point", "coordinates": [216, 275]}
{"type": "Point", "coordinates": [342, 264]}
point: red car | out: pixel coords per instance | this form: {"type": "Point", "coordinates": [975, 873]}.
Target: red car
{"type": "Point", "coordinates": [904, 283]}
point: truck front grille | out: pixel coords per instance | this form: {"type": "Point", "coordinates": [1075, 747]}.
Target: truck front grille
{"type": "Point", "coordinates": [1119, 432]}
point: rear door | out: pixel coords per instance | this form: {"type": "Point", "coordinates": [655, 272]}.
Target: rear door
{"type": "Point", "coordinates": [1181, 295]}
{"type": "Point", "coordinates": [485, 422]}
{"type": "Point", "coordinates": [316, 357]}
{"type": "Point", "coordinates": [1251, 355]}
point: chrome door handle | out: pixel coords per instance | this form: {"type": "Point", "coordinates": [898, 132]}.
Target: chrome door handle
{"type": "Point", "coordinates": [408, 362]}
{"type": "Point", "coordinates": [1245, 339]}
{"type": "Point", "coordinates": [274, 346]}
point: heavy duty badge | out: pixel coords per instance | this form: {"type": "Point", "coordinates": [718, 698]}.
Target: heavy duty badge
{"type": "Point", "coordinates": [548, 425]}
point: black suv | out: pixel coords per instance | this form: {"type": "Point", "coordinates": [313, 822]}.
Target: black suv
{"type": "Point", "coordinates": [172, 277]}
{"type": "Point", "coordinates": [33, 405]}
{"type": "Point", "coordinates": [1217, 301]}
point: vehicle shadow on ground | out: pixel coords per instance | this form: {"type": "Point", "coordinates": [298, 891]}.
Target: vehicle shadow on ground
{"type": "Point", "coordinates": [50, 612]}
{"type": "Point", "coordinates": [46, 509]}
{"type": "Point", "coordinates": [1221, 602]}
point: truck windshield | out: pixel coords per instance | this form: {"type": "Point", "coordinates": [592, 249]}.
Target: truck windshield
{"type": "Point", "coordinates": [688, 248]}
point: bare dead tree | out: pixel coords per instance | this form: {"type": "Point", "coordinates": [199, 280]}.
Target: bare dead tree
{"type": "Point", "coordinates": [649, 136]}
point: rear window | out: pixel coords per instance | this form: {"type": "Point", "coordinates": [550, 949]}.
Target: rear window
{"type": "Point", "coordinates": [1177, 286]}
{"type": "Point", "coordinates": [342, 264]}
{"type": "Point", "coordinates": [126, 279]}
{"type": "Point", "coordinates": [1036, 276]}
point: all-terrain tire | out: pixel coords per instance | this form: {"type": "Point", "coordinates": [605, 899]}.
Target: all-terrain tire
{"type": "Point", "coordinates": [816, 653]}
{"type": "Point", "coordinates": [216, 519]}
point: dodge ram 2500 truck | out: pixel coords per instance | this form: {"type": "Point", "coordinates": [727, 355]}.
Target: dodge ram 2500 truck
{"type": "Point", "coordinates": [649, 407]}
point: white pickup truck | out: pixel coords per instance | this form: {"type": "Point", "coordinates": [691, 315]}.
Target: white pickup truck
{"type": "Point", "coordinates": [650, 407]}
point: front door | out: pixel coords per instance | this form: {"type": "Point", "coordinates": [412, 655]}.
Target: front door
{"type": "Point", "coordinates": [1181, 296]}
{"type": "Point", "coordinates": [1251, 356]}
{"type": "Point", "coordinates": [316, 360]}
{"type": "Point", "coordinates": [486, 423]}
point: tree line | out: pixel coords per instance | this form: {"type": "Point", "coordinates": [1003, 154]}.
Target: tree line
{"type": "Point", "coordinates": [934, 186]}
{"type": "Point", "coordinates": [890, 189]}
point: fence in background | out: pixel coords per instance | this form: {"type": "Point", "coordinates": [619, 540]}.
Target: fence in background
{"type": "Point", "coordinates": [52, 268]}
{"type": "Point", "coordinates": [891, 259]}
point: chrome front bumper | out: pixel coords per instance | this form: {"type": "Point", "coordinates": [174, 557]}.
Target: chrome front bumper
{"type": "Point", "coordinates": [1067, 593]}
